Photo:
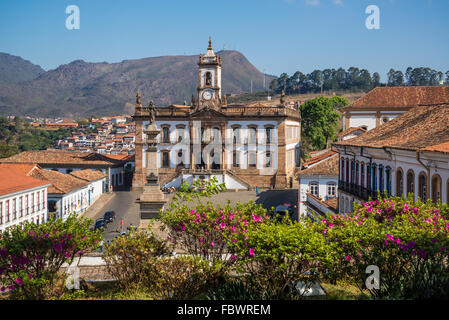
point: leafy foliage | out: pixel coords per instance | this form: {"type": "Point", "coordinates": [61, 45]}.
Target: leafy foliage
{"type": "Point", "coordinates": [408, 242]}
{"type": "Point", "coordinates": [184, 277]}
{"type": "Point", "coordinates": [130, 258]}
{"type": "Point", "coordinates": [31, 255]}
{"type": "Point", "coordinates": [320, 119]}
{"type": "Point", "coordinates": [19, 136]}
{"type": "Point", "coordinates": [204, 230]}
{"type": "Point", "coordinates": [275, 256]}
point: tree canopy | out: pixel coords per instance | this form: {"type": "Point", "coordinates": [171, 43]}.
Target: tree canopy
{"type": "Point", "coordinates": [320, 120]}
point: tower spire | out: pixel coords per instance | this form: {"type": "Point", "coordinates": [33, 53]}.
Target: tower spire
{"type": "Point", "coordinates": [210, 43]}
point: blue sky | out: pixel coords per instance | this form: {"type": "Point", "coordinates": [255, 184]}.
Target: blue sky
{"type": "Point", "coordinates": [275, 35]}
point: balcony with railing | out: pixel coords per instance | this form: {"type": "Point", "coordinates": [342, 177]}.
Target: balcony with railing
{"type": "Point", "coordinates": [357, 190]}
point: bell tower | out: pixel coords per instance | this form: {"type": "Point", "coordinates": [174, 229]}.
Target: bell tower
{"type": "Point", "coordinates": [209, 78]}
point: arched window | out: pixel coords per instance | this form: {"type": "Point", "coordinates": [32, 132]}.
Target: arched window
{"type": "Point", "coordinates": [422, 186]}
{"type": "Point", "coordinates": [399, 182]}
{"type": "Point", "coordinates": [236, 135]}
{"type": "Point", "coordinates": [436, 188]}
{"type": "Point", "coordinates": [165, 134]}
{"type": "Point", "coordinates": [268, 159]}
{"type": "Point", "coordinates": [252, 136]}
{"type": "Point", "coordinates": [342, 171]}
{"type": "Point", "coordinates": [208, 79]}
{"type": "Point", "coordinates": [252, 159]}
{"type": "Point", "coordinates": [410, 182]}
{"type": "Point", "coordinates": [381, 179]}
{"type": "Point", "coordinates": [165, 159]}
{"type": "Point", "coordinates": [374, 177]}
{"type": "Point", "coordinates": [362, 174]}
{"type": "Point", "coordinates": [347, 171]}
{"type": "Point", "coordinates": [356, 180]}
{"type": "Point", "coordinates": [269, 135]}
{"type": "Point", "coordinates": [180, 133]}
{"type": "Point", "coordinates": [235, 159]}
{"type": "Point", "coordinates": [447, 191]}
{"type": "Point", "coordinates": [388, 180]}
{"type": "Point", "coordinates": [368, 176]}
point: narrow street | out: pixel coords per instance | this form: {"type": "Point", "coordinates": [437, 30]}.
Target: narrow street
{"type": "Point", "coordinates": [125, 207]}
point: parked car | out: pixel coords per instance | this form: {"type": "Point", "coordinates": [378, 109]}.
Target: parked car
{"type": "Point", "coordinates": [282, 209]}
{"type": "Point", "coordinates": [99, 224]}
{"type": "Point", "coordinates": [109, 216]}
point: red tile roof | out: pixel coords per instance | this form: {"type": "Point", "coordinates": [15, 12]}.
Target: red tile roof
{"type": "Point", "coordinates": [326, 166]}
{"type": "Point", "coordinates": [418, 128]}
{"type": "Point", "coordinates": [13, 181]}
{"type": "Point", "coordinates": [60, 183]}
{"type": "Point", "coordinates": [61, 157]}
{"type": "Point", "coordinates": [19, 168]}
{"type": "Point", "coordinates": [396, 97]}
{"type": "Point", "coordinates": [88, 174]}
{"type": "Point", "coordinates": [442, 147]}
{"type": "Point", "coordinates": [318, 158]}
{"type": "Point", "coordinates": [349, 131]}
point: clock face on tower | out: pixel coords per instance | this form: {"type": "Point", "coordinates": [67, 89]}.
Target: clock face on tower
{"type": "Point", "coordinates": [207, 95]}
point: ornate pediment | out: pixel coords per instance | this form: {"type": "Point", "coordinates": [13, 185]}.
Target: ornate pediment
{"type": "Point", "coordinates": [210, 114]}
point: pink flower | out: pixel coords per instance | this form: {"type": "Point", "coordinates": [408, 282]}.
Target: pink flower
{"type": "Point", "coordinates": [251, 252]}
{"type": "Point", "coordinates": [348, 258]}
{"type": "Point", "coordinates": [19, 281]}
{"type": "Point", "coordinates": [212, 243]}
{"type": "Point", "coordinates": [222, 225]}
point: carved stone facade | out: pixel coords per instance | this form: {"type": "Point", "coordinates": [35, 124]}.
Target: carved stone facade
{"type": "Point", "coordinates": [244, 146]}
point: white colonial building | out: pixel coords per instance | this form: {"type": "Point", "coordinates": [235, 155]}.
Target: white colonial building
{"type": "Point", "coordinates": [383, 104]}
{"type": "Point", "coordinates": [244, 146]}
{"type": "Point", "coordinates": [407, 155]}
{"type": "Point", "coordinates": [318, 184]}
{"type": "Point", "coordinates": [22, 198]}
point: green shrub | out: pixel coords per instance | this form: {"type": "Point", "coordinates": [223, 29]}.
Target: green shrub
{"type": "Point", "coordinates": [408, 241]}
{"type": "Point", "coordinates": [129, 258]}
{"type": "Point", "coordinates": [184, 277]}
{"type": "Point", "coordinates": [31, 256]}
{"type": "Point", "coordinates": [205, 230]}
{"type": "Point", "coordinates": [274, 256]}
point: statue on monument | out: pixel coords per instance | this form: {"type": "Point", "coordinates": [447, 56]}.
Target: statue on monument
{"type": "Point", "coordinates": [152, 111]}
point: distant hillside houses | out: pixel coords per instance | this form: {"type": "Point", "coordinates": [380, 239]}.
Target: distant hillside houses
{"type": "Point", "coordinates": [112, 135]}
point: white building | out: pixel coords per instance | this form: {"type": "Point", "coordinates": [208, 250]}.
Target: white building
{"type": "Point", "coordinates": [22, 198]}
{"type": "Point", "coordinates": [319, 178]}
{"type": "Point", "coordinates": [383, 104]}
{"type": "Point", "coordinates": [68, 161]}
{"type": "Point", "coordinates": [66, 194]}
{"type": "Point", "coordinates": [407, 155]}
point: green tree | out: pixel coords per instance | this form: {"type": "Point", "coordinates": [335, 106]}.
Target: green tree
{"type": "Point", "coordinates": [320, 119]}
{"type": "Point", "coordinates": [8, 151]}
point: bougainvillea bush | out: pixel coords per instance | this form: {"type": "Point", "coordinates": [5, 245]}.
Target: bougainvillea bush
{"type": "Point", "coordinates": [31, 256]}
{"type": "Point", "coordinates": [204, 229]}
{"type": "Point", "coordinates": [408, 241]}
{"type": "Point", "coordinates": [276, 255]}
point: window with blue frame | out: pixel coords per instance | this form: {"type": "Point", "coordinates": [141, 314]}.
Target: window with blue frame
{"type": "Point", "coordinates": [381, 179]}
{"type": "Point", "coordinates": [388, 179]}
{"type": "Point", "coordinates": [374, 177]}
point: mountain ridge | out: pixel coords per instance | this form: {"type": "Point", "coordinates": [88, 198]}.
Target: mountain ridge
{"type": "Point", "coordinates": [82, 88]}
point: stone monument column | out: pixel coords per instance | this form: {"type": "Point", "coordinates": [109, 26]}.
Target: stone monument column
{"type": "Point", "coordinates": [152, 198]}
